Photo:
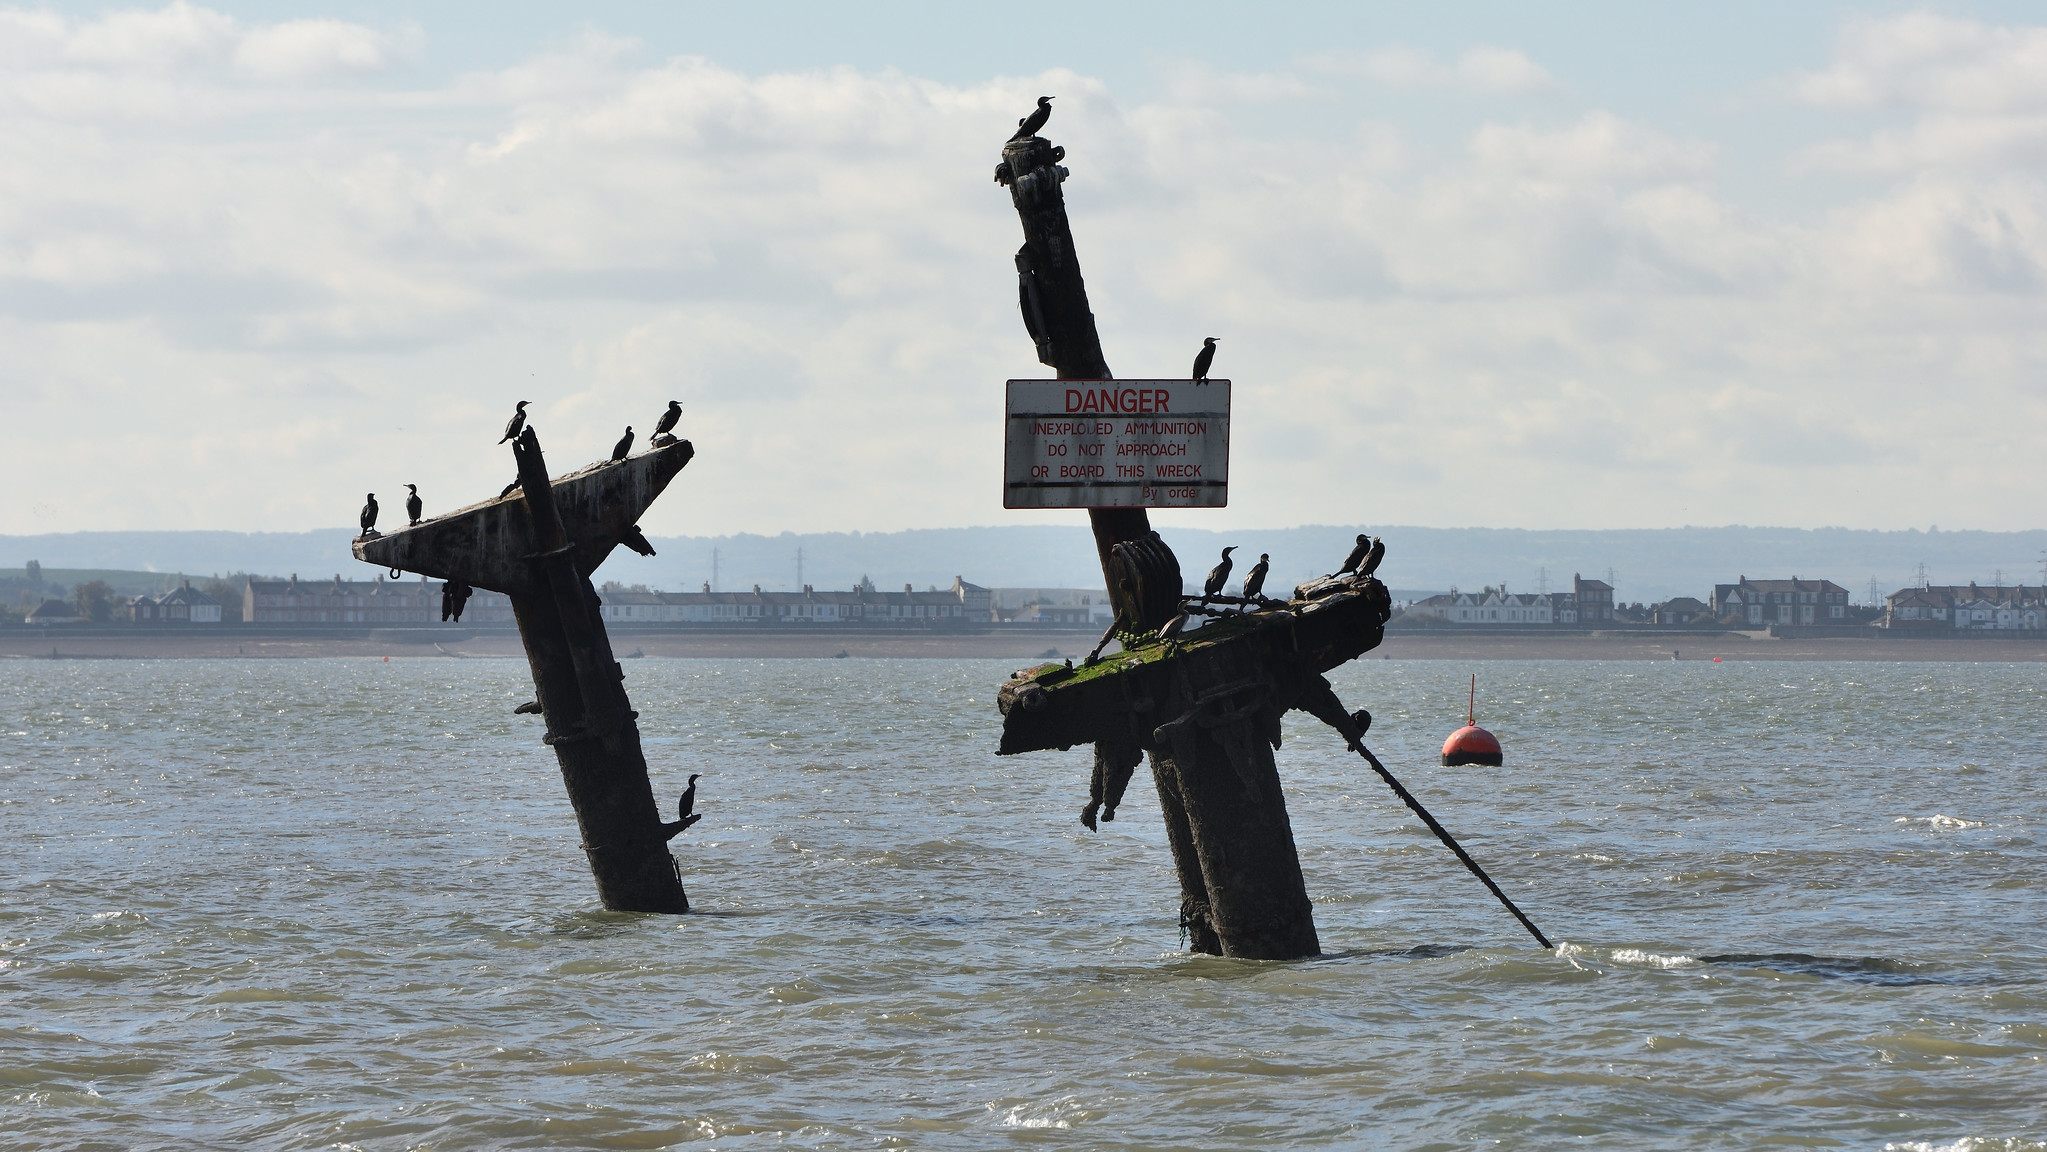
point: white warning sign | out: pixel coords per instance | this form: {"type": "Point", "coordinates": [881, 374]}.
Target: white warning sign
{"type": "Point", "coordinates": [1117, 444]}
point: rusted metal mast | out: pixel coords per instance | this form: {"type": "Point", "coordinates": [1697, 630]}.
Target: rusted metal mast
{"type": "Point", "coordinates": [539, 545]}
{"type": "Point", "coordinates": [1211, 728]}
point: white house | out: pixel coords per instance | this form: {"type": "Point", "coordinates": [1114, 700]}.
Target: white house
{"type": "Point", "coordinates": [1492, 606]}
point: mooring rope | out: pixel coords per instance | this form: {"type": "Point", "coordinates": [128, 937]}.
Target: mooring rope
{"type": "Point", "coordinates": [1407, 798]}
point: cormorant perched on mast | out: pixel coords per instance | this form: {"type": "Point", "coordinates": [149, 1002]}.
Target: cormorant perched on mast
{"type": "Point", "coordinates": [668, 419]}
{"type": "Point", "coordinates": [637, 541]}
{"type": "Point", "coordinates": [1029, 125]}
{"type": "Point", "coordinates": [686, 813]}
{"type": "Point", "coordinates": [1217, 576]}
{"type": "Point", "coordinates": [624, 447]}
{"type": "Point", "coordinates": [1372, 562]}
{"type": "Point", "coordinates": [516, 424]}
{"type": "Point", "coordinates": [413, 506]}
{"type": "Point", "coordinates": [1254, 580]}
{"type": "Point", "coordinates": [1357, 555]}
{"type": "Point", "coordinates": [369, 517]}
{"type": "Point", "coordinates": [1203, 359]}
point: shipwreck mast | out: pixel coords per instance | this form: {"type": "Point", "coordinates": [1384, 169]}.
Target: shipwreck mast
{"type": "Point", "coordinates": [538, 544]}
{"type": "Point", "coordinates": [1242, 893]}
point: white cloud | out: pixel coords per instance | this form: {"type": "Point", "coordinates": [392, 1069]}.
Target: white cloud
{"type": "Point", "coordinates": [1483, 68]}
{"type": "Point", "coordinates": [1930, 62]}
{"type": "Point", "coordinates": [1977, 92]}
{"type": "Point", "coordinates": [185, 38]}
{"type": "Point", "coordinates": [1600, 147]}
{"type": "Point", "coordinates": [300, 49]}
{"type": "Point", "coordinates": [249, 306]}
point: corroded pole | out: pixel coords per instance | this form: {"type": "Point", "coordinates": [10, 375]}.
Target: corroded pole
{"type": "Point", "coordinates": [590, 721]}
{"type": "Point", "coordinates": [1241, 889]}
{"type": "Point", "coordinates": [538, 545]}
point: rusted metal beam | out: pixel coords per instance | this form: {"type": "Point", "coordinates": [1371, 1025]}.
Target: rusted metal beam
{"type": "Point", "coordinates": [538, 544]}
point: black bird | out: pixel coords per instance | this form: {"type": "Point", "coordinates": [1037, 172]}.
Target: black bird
{"type": "Point", "coordinates": [369, 516]}
{"type": "Point", "coordinates": [685, 809]}
{"type": "Point", "coordinates": [624, 447]}
{"type": "Point", "coordinates": [454, 596]}
{"type": "Point", "coordinates": [1372, 561]}
{"type": "Point", "coordinates": [412, 503]}
{"type": "Point", "coordinates": [1217, 576]}
{"type": "Point", "coordinates": [516, 424]}
{"type": "Point", "coordinates": [509, 489]}
{"type": "Point", "coordinates": [1203, 359]}
{"type": "Point", "coordinates": [637, 541]}
{"type": "Point", "coordinates": [668, 418]}
{"type": "Point", "coordinates": [1254, 580]}
{"type": "Point", "coordinates": [1357, 555]}
{"type": "Point", "coordinates": [1029, 125]}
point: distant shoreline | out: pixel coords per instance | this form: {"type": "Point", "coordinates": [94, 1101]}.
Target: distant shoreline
{"type": "Point", "coordinates": [201, 642]}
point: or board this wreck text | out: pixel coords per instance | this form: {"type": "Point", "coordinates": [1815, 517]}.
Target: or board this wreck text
{"type": "Point", "coordinates": [1117, 444]}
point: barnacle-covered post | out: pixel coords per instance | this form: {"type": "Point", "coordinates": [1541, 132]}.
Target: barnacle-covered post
{"type": "Point", "coordinates": [1210, 724]}
{"type": "Point", "coordinates": [538, 544]}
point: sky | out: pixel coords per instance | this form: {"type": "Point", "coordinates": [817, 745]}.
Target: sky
{"type": "Point", "coordinates": [1565, 266]}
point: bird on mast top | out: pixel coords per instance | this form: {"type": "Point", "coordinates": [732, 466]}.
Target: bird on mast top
{"type": "Point", "coordinates": [1029, 125]}
{"type": "Point", "coordinates": [516, 424]}
{"type": "Point", "coordinates": [1203, 359]}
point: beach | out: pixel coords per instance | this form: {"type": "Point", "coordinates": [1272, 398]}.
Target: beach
{"type": "Point", "coordinates": [430, 642]}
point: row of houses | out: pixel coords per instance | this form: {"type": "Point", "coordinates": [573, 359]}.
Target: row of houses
{"type": "Point", "coordinates": [864, 603]}
{"type": "Point", "coordinates": [1968, 606]}
{"type": "Point", "coordinates": [1743, 603]}
{"type": "Point", "coordinates": [183, 604]}
{"type": "Point", "coordinates": [1746, 602]}
{"type": "Point", "coordinates": [1588, 602]}
{"type": "Point", "coordinates": [377, 601]}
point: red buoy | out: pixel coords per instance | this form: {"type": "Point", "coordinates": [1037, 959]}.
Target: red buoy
{"type": "Point", "coordinates": [1472, 744]}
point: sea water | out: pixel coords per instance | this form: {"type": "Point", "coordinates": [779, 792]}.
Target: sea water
{"type": "Point", "coordinates": [341, 904]}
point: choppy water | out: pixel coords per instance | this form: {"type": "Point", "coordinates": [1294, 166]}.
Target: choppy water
{"type": "Point", "coordinates": [340, 904]}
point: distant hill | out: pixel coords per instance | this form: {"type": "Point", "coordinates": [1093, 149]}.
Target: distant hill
{"type": "Point", "coordinates": [1649, 564]}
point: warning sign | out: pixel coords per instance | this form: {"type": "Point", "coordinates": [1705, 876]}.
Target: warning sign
{"type": "Point", "coordinates": [1117, 444]}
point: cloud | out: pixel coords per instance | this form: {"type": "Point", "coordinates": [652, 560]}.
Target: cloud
{"type": "Point", "coordinates": [1601, 147]}
{"type": "Point", "coordinates": [1926, 61]}
{"type": "Point", "coordinates": [238, 298]}
{"type": "Point", "coordinates": [185, 38]}
{"type": "Point", "coordinates": [1484, 69]}
{"type": "Point", "coordinates": [1977, 92]}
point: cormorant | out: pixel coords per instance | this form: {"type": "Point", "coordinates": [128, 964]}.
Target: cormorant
{"type": "Point", "coordinates": [637, 541]}
{"type": "Point", "coordinates": [1218, 575]}
{"type": "Point", "coordinates": [1203, 359]}
{"type": "Point", "coordinates": [1372, 561]}
{"type": "Point", "coordinates": [529, 708]}
{"type": "Point", "coordinates": [624, 447]}
{"type": "Point", "coordinates": [686, 810]}
{"type": "Point", "coordinates": [454, 597]}
{"type": "Point", "coordinates": [1254, 580]}
{"type": "Point", "coordinates": [668, 418]}
{"type": "Point", "coordinates": [412, 503]}
{"type": "Point", "coordinates": [1357, 555]}
{"type": "Point", "coordinates": [516, 424]}
{"type": "Point", "coordinates": [1029, 125]}
{"type": "Point", "coordinates": [369, 516]}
